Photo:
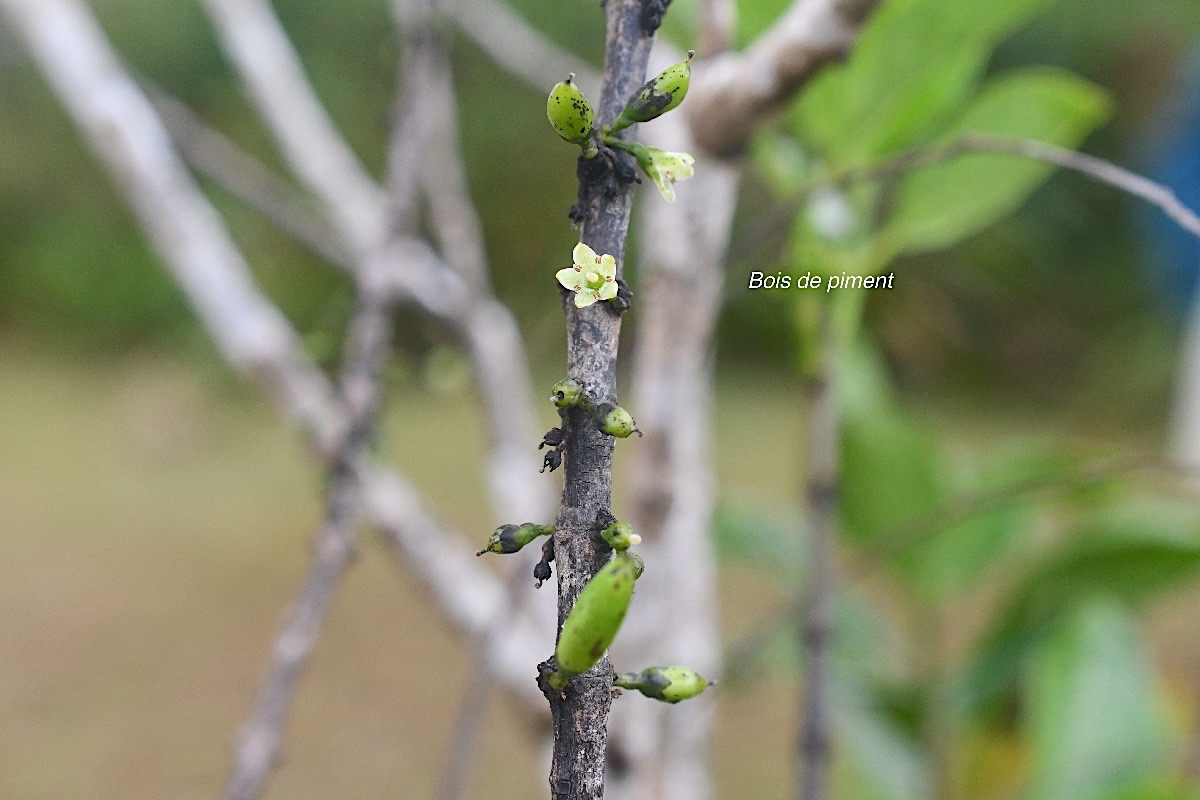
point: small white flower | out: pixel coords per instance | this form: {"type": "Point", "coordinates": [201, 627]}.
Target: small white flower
{"type": "Point", "coordinates": [665, 168]}
{"type": "Point", "coordinates": [591, 278]}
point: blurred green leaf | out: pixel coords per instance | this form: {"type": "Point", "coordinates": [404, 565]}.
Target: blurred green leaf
{"type": "Point", "coordinates": [916, 63]}
{"type": "Point", "coordinates": [768, 539]}
{"type": "Point", "coordinates": [938, 206]}
{"type": "Point", "coordinates": [883, 761]}
{"type": "Point", "coordinates": [1126, 563]}
{"type": "Point", "coordinates": [1091, 712]}
{"type": "Point", "coordinates": [889, 473]}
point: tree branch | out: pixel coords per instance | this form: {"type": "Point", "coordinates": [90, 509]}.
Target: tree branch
{"type": "Point", "coordinates": [580, 712]}
{"type": "Point", "coordinates": [735, 93]}
{"type": "Point", "coordinates": [517, 46]}
{"type": "Point", "coordinates": [821, 493]}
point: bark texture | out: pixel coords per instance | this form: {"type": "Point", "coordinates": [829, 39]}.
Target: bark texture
{"type": "Point", "coordinates": [580, 712]}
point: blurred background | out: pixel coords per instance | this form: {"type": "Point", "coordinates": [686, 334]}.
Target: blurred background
{"type": "Point", "coordinates": [1038, 641]}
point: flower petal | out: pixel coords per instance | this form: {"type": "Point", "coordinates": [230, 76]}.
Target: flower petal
{"type": "Point", "coordinates": [608, 266]}
{"type": "Point", "coordinates": [570, 278]}
{"type": "Point", "coordinates": [585, 298]}
{"type": "Point", "coordinates": [608, 291]}
{"type": "Point", "coordinates": [583, 255]}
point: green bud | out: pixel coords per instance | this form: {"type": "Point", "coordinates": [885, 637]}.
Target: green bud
{"type": "Point", "coordinates": [566, 393]}
{"type": "Point", "coordinates": [620, 536]}
{"type": "Point", "coordinates": [615, 421]}
{"type": "Point", "coordinates": [511, 538]}
{"type": "Point", "coordinates": [595, 618]}
{"type": "Point", "coordinates": [657, 96]}
{"type": "Point", "coordinates": [668, 684]}
{"type": "Point", "coordinates": [571, 114]}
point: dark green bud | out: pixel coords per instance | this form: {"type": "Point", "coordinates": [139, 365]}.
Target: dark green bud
{"type": "Point", "coordinates": [668, 684]}
{"type": "Point", "coordinates": [511, 538]}
{"type": "Point", "coordinates": [620, 536]}
{"type": "Point", "coordinates": [657, 96]}
{"type": "Point", "coordinates": [566, 393]}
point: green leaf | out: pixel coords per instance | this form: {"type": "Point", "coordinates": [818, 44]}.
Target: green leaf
{"type": "Point", "coordinates": [889, 474]}
{"type": "Point", "coordinates": [1127, 563]}
{"type": "Point", "coordinates": [916, 63]}
{"type": "Point", "coordinates": [940, 205]}
{"type": "Point", "coordinates": [1092, 723]}
{"type": "Point", "coordinates": [767, 539]}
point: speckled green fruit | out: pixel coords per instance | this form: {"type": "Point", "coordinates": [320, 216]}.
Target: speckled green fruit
{"type": "Point", "coordinates": [668, 684]}
{"type": "Point", "coordinates": [616, 421]}
{"type": "Point", "coordinates": [570, 113]}
{"type": "Point", "coordinates": [511, 538]}
{"type": "Point", "coordinates": [596, 616]}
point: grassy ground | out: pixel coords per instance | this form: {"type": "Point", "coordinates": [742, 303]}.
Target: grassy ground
{"type": "Point", "coordinates": [155, 523]}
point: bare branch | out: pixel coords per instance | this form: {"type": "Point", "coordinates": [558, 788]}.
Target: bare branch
{"type": "Point", "coordinates": [130, 141]}
{"type": "Point", "coordinates": [718, 25]}
{"type": "Point", "coordinates": [316, 152]}
{"type": "Point", "coordinates": [261, 738]}
{"type": "Point", "coordinates": [733, 94]}
{"type": "Point", "coordinates": [816, 634]}
{"type": "Point", "coordinates": [517, 46]}
{"type": "Point", "coordinates": [213, 155]}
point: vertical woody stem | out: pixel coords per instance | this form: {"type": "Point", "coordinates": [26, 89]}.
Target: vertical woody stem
{"type": "Point", "coordinates": [580, 712]}
{"type": "Point", "coordinates": [817, 626]}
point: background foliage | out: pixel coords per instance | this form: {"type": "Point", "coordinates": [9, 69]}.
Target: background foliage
{"type": "Point", "coordinates": [1018, 572]}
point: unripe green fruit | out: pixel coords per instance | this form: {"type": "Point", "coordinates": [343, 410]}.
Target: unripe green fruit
{"type": "Point", "coordinates": [595, 618]}
{"type": "Point", "coordinates": [620, 536]}
{"type": "Point", "coordinates": [615, 421]}
{"type": "Point", "coordinates": [566, 393]}
{"type": "Point", "coordinates": [571, 114]}
{"type": "Point", "coordinates": [511, 538]}
{"type": "Point", "coordinates": [657, 96]}
{"type": "Point", "coordinates": [668, 684]}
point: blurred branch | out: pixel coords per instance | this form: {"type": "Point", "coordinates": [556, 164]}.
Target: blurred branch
{"type": "Point", "coordinates": [517, 46]}
{"type": "Point", "coordinates": [315, 151]}
{"type": "Point", "coordinates": [733, 94]}
{"type": "Point", "coordinates": [120, 125]}
{"type": "Point", "coordinates": [821, 493]}
{"type": "Point", "coordinates": [718, 26]}
{"type": "Point", "coordinates": [216, 157]}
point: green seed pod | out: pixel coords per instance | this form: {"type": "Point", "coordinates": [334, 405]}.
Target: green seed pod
{"type": "Point", "coordinates": [668, 684]}
{"type": "Point", "coordinates": [571, 114]}
{"type": "Point", "coordinates": [596, 617]}
{"type": "Point", "coordinates": [615, 421]}
{"type": "Point", "coordinates": [620, 536]}
{"type": "Point", "coordinates": [511, 538]}
{"type": "Point", "coordinates": [566, 393]}
{"type": "Point", "coordinates": [657, 96]}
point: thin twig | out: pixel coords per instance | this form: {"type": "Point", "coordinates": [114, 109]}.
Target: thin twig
{"type": "Point", "coordinates": [517, 46]}
{"type": "Point", "coordinates": [816, 636]}
{"type": "Point", "coordinates": [216, 157]}
{"type": "Point", "coordinates": [1101, 170]}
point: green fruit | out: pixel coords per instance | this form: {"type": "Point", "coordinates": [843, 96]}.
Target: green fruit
{"type": "Point", "coordinates": [511, 538]}
{"type": "Point", "coordinates": [566, 393]}
{"type": "Point", "coordinates": [658, 96]}
{"type": "Point", "coordinates": [595, 618]}
{"type": "Point", "coordinates": [668, 684]}
{"type": "Point", "coordinates": [571, 114]}
{"type": "Point", "coordinates": [620, 536]}
{"type": "Point", "coordinates": [615, 421]}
